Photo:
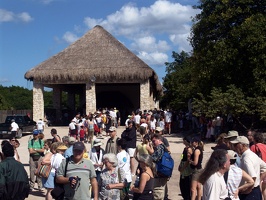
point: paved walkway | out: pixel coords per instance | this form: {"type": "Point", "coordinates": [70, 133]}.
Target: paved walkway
{"type": "Point", "coordinates": [176, 146]}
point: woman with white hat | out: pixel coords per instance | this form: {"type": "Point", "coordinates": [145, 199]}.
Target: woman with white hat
{"type": "Point", "coordinates": [96, 157]}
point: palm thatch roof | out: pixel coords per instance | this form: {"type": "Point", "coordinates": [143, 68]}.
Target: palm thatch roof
{"type": "Point", "coordinates": [96, 54]}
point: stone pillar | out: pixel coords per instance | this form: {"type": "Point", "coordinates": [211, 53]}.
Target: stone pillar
{"type": "Point", "coordinates": [145, 95]}
{"type": "Point", "coordinates": [38, 102]}
{"type": "Point", "coordinates": [57, 96]}
{"type": "Point", "coordinates": [90, 98]}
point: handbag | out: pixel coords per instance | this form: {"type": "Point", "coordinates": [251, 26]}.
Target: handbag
{"type": "Point", "coordinates": [43, 170]}
{"type": "Point", "coordinates": [58, 192]}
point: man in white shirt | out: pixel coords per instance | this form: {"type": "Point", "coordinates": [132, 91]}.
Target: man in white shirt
{"type": "Point", "coordinates": [14, 128]}
{"type": "Point", "coordinates": [212, 178]}
{"type": "Point", "coordinates": [168, 121]}
{"type": "Point", "coordinates": [40, 126]}
{"type": "Point", "coordinates": [251, 164]}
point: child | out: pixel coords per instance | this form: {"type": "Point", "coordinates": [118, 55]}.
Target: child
{"type": "Point", "coordinates": [82, 133]}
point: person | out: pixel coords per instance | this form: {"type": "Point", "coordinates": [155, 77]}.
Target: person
{"type": "Point", "coordinates": [53, 158]}
{"type": "Point", "coordinates": [143, 129]}
{"type": "Point", "coordinates": [250, 135]}
{"type": "Point", "coordinates": [16, 145]}
{"type": "Point", "coordinates": [111, 146]}
{"type": "Point", "coordinates": [56, 138]}
{"type": "Point", "coordinates": [196, 165]}
{"type": "Point", "coordinates": [69, 152]}
{"type": "Point", "coordinates": [14, 128]}
{"type": "Point", "coordinates": [112, 179]}
{"type": "Point", "coordinates": [124, 162]}
{"type": "Point", "coordinates": [80, 174]}
{"type": "Point", "coordinates": [152, 124]}
{"type": "Point", "coordinates": [159, 130]}
{"type": "Point", "coordinates": [1, 154]}
{"type": "Point", "coordinates": [14, 183]}
{"type": "Point", "coordinates": [159, 182]}
{"type": "Point", "coordinates": [82, 133]}
{"type": "Point", "coordinates": [40, 125]}
{"type": "Point", "coordinates": [185, 170]}
{"type": "Point", "coordinates": [259, 148]}
{"type": "Point", "coordinates": [130, 135]}
{"type": "Point", "coordinates": [47, 146]}
{"type": "Point", "coordinates": [144, 190]}
{"type": "Point", "coordinates": [36, 149]}
{"type": "Point", "coordinates": [214, 186]}
{"type": "Point", "coordinates": [90, 128]}
{"type": "Point", "coordinates": [72, 128]}
{"type": "Point", "coordinates": [234, 177]}
{"type": "Point", "coordinates": [168, 121]}
{"type": "Point", "coordinates": [96, 157]}
{"type": "Point", "coordinates": [65, 140]}
{"type": "Point", "coordinates": [221, 144]}
{"type": "Point", "coordinates": [250, 163]}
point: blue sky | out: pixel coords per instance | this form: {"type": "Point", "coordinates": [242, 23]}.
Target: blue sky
{"type": "Point", "coordinates": [31, 31]}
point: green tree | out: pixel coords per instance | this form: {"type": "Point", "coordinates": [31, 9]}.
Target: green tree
{"type": "Point", "coordinates": [229, 45]}
{"type": "Point", "coordinates": [179, 81]}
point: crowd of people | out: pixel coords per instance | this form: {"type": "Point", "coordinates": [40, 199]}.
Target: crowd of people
{"type": "Point", "coordinates": [235, 170]}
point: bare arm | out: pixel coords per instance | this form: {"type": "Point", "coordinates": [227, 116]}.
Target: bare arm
{"type": "Point", "coordinates": [143, 180]}
{"type": "Point", "coordinates": [196, 157]}
{"type": "Point", "coordinates": [47, 159]}
{"type": "Point", "coordinates": [149, 148]}
{"type": "Point", "coordinates": [94, 185]}
{"type": "Point", "coordinates": [248, 185]}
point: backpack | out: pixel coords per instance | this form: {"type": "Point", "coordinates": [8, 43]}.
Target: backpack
{"type": "Point", "coordinates": [165, 165]}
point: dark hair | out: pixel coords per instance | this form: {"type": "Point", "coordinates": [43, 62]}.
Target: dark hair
{"type": "Point", "coordinates": [157, 136]}
{"type": "Point", "coordinates": [186, 138]}
{"type": "Point", "coordinates": [8, 150]}
{"type": "Point", "coordinates": [53, 131]}
{"type": "Point", "coordinates": [215, 163]}
{"type": "Point", "coordinates": [147, 137]}
{"type": "Point", "coordinates": [122, 143]}
{"type": "Point", "coordinates": [258, 137]}
{"type": "Point", "coordinates": [4, 142]}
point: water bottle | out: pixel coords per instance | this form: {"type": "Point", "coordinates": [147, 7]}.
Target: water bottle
{"type": "Point", "coordinates": [136, 184]}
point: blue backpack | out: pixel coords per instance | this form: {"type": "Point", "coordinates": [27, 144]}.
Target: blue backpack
{"type": "Point", "coordinates": [165, 165]}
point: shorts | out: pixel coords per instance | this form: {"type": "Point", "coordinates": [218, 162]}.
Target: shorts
{"type": "Point", "coordinates": [195, 174]}
{"type": "Point", "coordinates": [131, 152]}
{"type": "Point", "coordinates": [91, 133]}
{"type": "Point", "coordinates": [49, 182]}
{"type": "Point", "coordinates": [81, 139]}
{"type": "Point", "coordinates": [167, 125]}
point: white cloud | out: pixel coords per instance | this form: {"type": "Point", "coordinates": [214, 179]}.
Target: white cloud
{"type": "Point", "coordinates": [9, 16]}
{"type": "Point", "coordinates": [70, 37]}
{"type": "Point", "coordinates": [6, 16]}
{"type": "Point", "coordinates": [155, 58]}
{"type": "Point", "coordinates": [4, 80]}
{"type": "Point", "coordinates": [152, 32]}
{"type": "Point", "coordinates": [25, 17]}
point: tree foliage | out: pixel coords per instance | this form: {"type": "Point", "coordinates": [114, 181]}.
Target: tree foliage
{"type": "Point", "coordinates": [226, 71]}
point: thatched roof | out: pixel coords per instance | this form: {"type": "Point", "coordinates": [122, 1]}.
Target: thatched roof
{"type": "Point", "coordinates": [97, 54]}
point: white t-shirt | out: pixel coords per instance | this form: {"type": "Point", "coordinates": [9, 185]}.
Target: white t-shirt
{"type": "Point", "coordinates": [168, 116]}
{"type": "Point", "coordinates": [153, 124]}
{"type": "Point", "coordinates": [40, 125]}
{"type": "Point", "coordinates": [215, 187]}
{"type": "Point", "coordinates": [14, 126]}
{"type": "Point", "coordinates": [72, 126]}
{"type": "Point", "coordinates": [56, 160]}
{"type": "Point", "coordinates": [124, 163]}
{"type": "Point", "coordinates": [137, 119]}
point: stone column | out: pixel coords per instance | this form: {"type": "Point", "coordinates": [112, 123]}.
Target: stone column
{"type": "Point", "coordinates": [38, 102]}
{"type": "Point", "coordinates": [145, 95]}
{"type": "Point", "coordinates": [57, 96]}
{"type": "Point", "coordinates": [90, 98]}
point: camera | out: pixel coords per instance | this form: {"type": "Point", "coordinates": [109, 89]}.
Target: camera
{"type": "Point", "coordinates": [77, 184]}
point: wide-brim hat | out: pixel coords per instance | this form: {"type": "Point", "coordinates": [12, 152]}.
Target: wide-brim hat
{"type": "Point", "coordinates": [97, 142]}
{"type": "Point", "coordinates": [62, 147]}
{"type": "Point", "coordinates": [231, 134]}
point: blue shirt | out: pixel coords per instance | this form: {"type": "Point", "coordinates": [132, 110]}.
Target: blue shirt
{"type": "Point", "coordinates": [69, 152]}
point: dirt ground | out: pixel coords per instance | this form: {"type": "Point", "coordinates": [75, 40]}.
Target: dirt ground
{"type": "Point", "coordinates": [176, 146]}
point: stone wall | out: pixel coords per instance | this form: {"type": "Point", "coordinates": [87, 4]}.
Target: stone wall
{"type": "Point", "coordinates": [38, 102]}
{"type": "Point", "coordinates": [90, 98]}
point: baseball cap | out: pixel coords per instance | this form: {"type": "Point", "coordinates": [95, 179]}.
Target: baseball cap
{"type": "Point", "coordinates": [231, 134]}
{"type": "Point", "coordinates": [158, 128]}
{"type": "Point", "coordinates": [112, 128]}
{"type": "Point", "coordinates": [71, 140]}
{"type": "Point", "coordinates": [97, 142]}
{"type": "Point", "coordinates": [78, 146]}
{"type": "Point", "coordinates": [240, 139]}
{"type": "Point", "coordinates": [35, 132]}
{"type": "Point", "coordinates": [232, 154]}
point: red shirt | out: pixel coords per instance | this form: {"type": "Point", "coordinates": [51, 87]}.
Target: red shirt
{"type": "Point", "coordinates": [259, 147]}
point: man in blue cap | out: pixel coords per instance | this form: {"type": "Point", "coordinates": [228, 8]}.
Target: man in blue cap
{"type": "Point", "coordinates": [36, 149]}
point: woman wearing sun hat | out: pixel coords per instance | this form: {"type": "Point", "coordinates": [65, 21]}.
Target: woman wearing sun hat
{"type": "Point", "coordinates": [54, 158]}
